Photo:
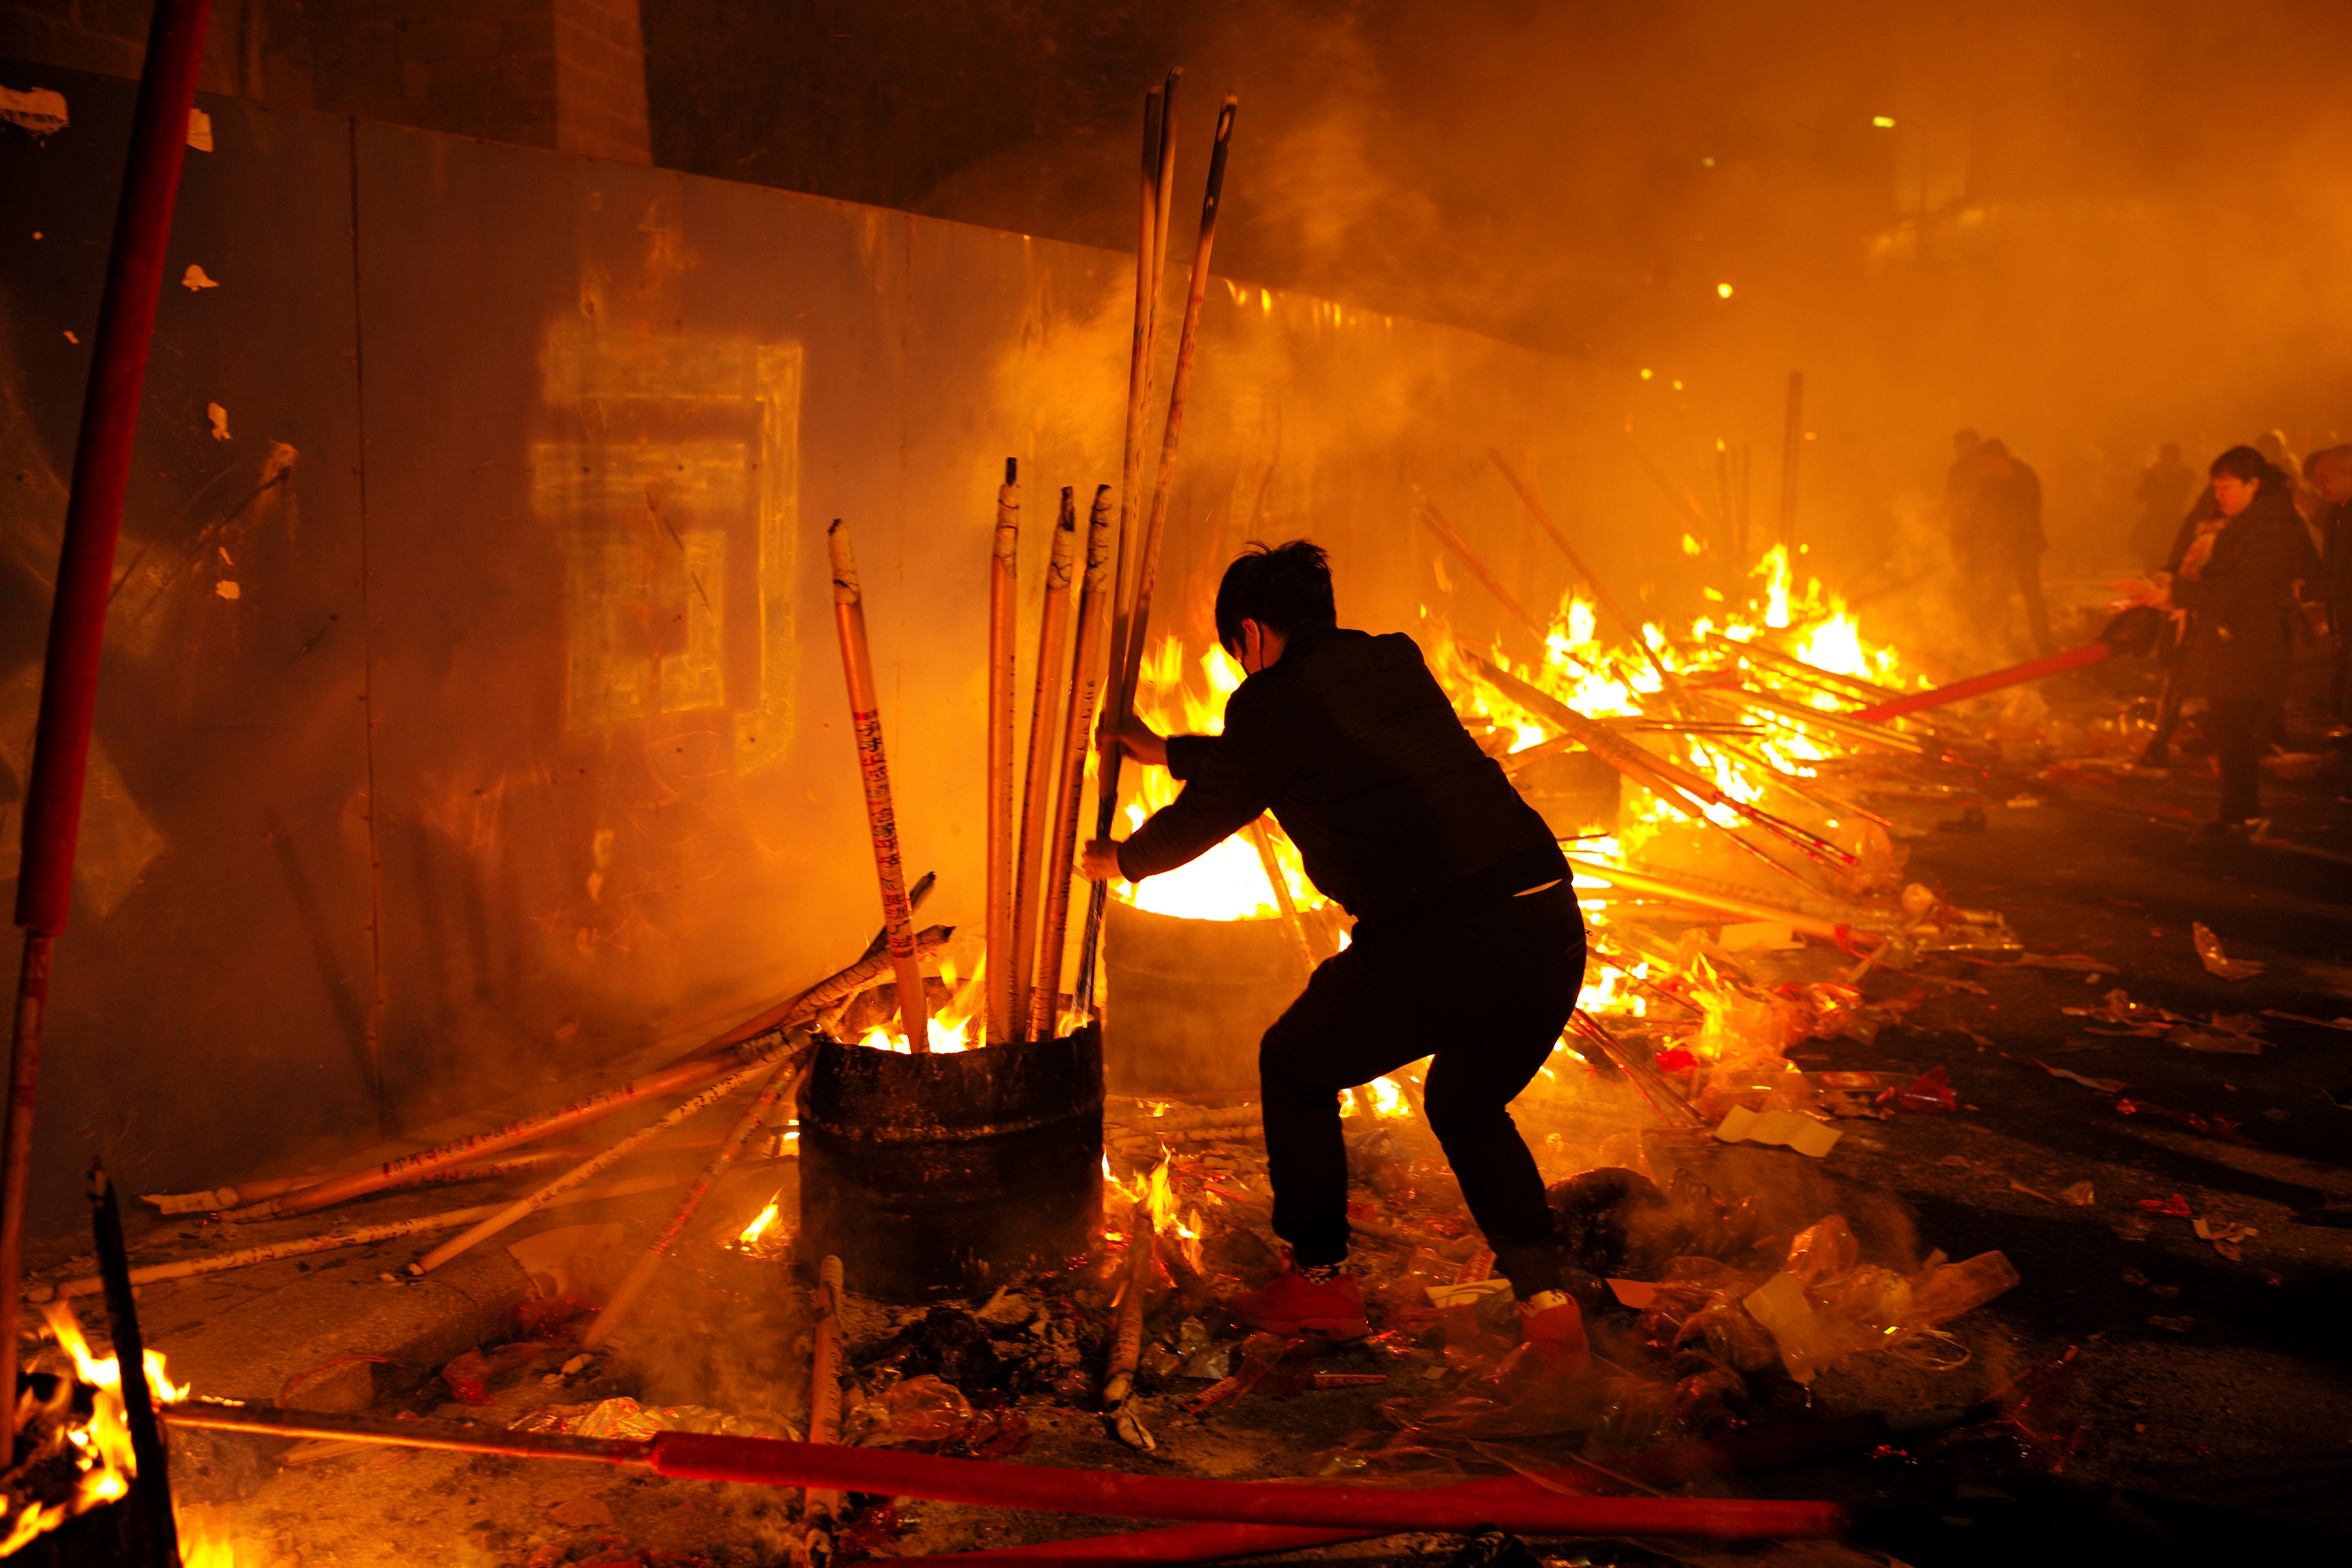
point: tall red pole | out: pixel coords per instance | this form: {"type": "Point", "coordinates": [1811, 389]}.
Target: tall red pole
{"type": "Point", "coordinates": [110, 416]}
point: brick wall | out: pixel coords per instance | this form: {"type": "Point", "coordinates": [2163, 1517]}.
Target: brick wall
{"type": "Point", "coordinates": [110, 37]}
{"type": "Point", "coordinates": [600, 80]}
{"type": "Point", "coordinates": [562, 74]}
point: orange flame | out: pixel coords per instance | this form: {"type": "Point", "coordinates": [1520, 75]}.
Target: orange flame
{"type": "Point", "coordinates": [100, 1445]}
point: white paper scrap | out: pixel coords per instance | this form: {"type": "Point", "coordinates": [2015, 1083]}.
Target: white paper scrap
{"type": "Point", "coordinates": [1788, 1128]}
{"type": "Point", "coordinates": [39, 109]}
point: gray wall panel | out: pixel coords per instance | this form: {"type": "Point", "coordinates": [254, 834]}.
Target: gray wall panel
{"type": "Point", "coordinates": [213, 990]}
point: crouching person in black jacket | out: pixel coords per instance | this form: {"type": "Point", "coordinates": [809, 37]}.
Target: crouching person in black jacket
{"type": "Point", "coordinates": [1468, 945]}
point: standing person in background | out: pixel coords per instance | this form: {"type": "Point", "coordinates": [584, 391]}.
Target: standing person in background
{"type": "Point", "coordinates": [1961, 482]}
{"type": "Point", "coordinates": [2236, 579]}
{"type": "Point", "coordinates": [2272, 445]}
{"type": "Point", "coordinates": [2163, 496]}
{"type": "Point", "coordinates": [2329, 472]}
{"type": "Point", "coordinates": [2005, 541]}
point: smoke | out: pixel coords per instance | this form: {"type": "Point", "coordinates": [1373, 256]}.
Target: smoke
{"type": "Point", "coordinates": [2087, 226]}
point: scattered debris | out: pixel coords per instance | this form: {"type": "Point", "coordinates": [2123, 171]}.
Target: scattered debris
{"type": "Point", "coordinates": [2209, 949]}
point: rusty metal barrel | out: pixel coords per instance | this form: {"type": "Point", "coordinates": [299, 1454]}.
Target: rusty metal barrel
{"type": "Point", "coordinates": [953, 1173]}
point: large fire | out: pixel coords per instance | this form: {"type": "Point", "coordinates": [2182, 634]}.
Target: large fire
{"type": "Point", "coordinates": [1229, 883]}
{"type": "Point", "coordinates": [1725, 698]}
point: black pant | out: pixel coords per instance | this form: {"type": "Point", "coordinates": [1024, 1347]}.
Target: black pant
{"type": "Point", "coordinates": [1990, 574]}
{"type": "Point", "coordinates": [1487, 994]}
{"type": "Point", "coordinates": [2339, 679]}
{"type": "Point", "coordinates": [2026, 564]}
{"type": "Point", "coordinates": [2240, 733]}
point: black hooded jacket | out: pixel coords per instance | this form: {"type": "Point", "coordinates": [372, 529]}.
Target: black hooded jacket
{"type": "Point", "coordinates": [1350, 742]}
{"type": "Point", "coordinates": [2240, 642]}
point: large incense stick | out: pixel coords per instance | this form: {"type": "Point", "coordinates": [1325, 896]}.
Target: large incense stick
{"type": "Point", "coordinates": [825, 1384]}
{"type": "Point", "coordinates": [1126, 1332]}
{"type": "Point", "coordinates": [873, 766]}
{"type": "Point", "coordinates": [781, 1087]}
{"type": "Point", "coordinates": [700, 1067]}
{"type": "Point", "coordinates": [1085, 690]}
{"type": "Point", "coordinates": [523, 1208]}
{"type": "Point", "coordinates": [354, 1236]}
{"type": "Point", "coordinates": [1790, 779]}
{"type": "Point", "coordinates": [1842, 722]}
{"type": "Point", "coordinates": [1853, 687]}
{"type": "Point", "coordinates": [1036, 868]}
{"type": "Point", "coordinates": [1003, 615]}
{"type": "Point", "coordinates": [1131, 628]}
{"type": "Point", "coordinates": [1435, 521]}
{"type": "Point", "coordinates": [1614, 748]}
{"type": "Point", "coordinates": [1632, 628]}
{"type": "Point", "coordinates": [1147, 574]}
{"type": "Point", "coordinates": [1650, 884]}
{"type": "Point", "coordinates": [1284, 904]}
{"type": "Point", "coordinates": [1139, 365]}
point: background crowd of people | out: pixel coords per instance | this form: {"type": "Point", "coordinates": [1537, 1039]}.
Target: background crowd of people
{"type": "Point", "coordinates": [2243, 571]}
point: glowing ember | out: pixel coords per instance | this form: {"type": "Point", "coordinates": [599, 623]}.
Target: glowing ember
{"type": "Point", "coordinates": [758, 1238]}
{"type": "Point", "coordinates": [948, 1027]}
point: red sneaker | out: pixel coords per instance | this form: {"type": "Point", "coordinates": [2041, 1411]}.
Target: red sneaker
{"type": "Point", "coordinates": [1293, 1304]}
{"type": "Point", "coordinates": [1552, 1325]}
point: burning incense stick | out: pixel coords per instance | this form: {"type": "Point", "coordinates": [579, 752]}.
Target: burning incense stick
{"type": "Point", "coordinates": [523, 1208]}
{"type": "Point", "coordinates": [1085, 689]}
{"type": "Point", "coordinates": [693, 1071]}
{"type": "Point", "coordinates": [1623, 754]}
{"type": "Point", "coordinates": [1600, 595]}
{"type": "Point", "coordinates": [1435, 521]}
{"type": "Point", "coordinates": [1794, 782]}
{"type": "Point", "coordinates": [882, 821]}
{"type": "Point", "coordinates": [1842, 724]}
{"type": "Point", "coordinates": [781, 1087]}
{"type": "Point", "coordinates": [1003, 615]}
{"type": "Point", "coordinates": [1647, 882]}
{"type": "Point", "coordinates": [1126, 1338]}
{"type": "Point", "coordinates": [1292, 925]}
{"type": "Point", "coordinates": [1646, 1079]}
{"type": "Point", "coordinates": [1853, 686]}
{"type": "Point", "coordinates": [1035, 870]}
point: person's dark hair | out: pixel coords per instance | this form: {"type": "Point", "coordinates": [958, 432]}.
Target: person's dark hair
{"type": "Point", "coordinates": [1992, 448]}
{"type": "Point", "coordinates": [2244, 463]}
{"type": "Point", "coordinates": [1284, 588]}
